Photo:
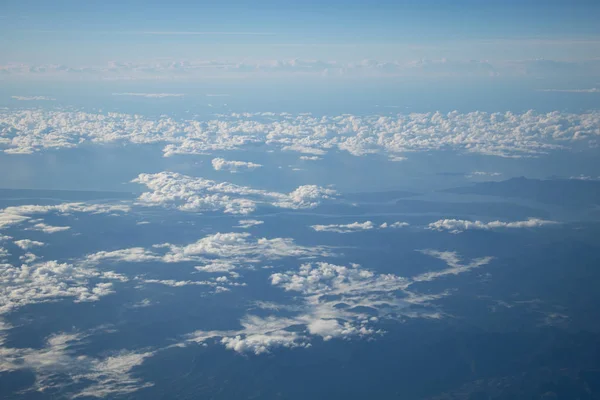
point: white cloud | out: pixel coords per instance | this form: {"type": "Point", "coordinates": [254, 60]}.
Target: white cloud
{"type": "Point", "coordinates": [220, 164]}
{"type": "Point", "coordinates": [507, 134]}
{"type": "Point", "coordinates": [345, 228]}
{"type": "Point", "coordinates": [40, 282]}
{"type": "Point", "coordinates": [27, 244]}
{"type": "Point", "coordinates": [58, 365]}
{"type": "Point", "coordinates": [356, 227]}
{"type": "Point", "coordinates": [336, 302]}
{"type": "Point", "coordinates": [198, 194]}
{"type": "Point", "coordinates": [248, 223]}
{"type": "Point", "coordinates": [219, 253]}
{"type": "Point", "coordinates": [310, 158]}
{"type": "Point", "coordinates": [43, 227]}
{"type": "Point", "coordinates": [592, 90]}
{"type": "Point", "coordinates": [7, 219]}
{"type": "Point", "coordinates": [33, 98]}
{"type": "Point", "coordinates": [17, 214]}
{"type": "Point", "coordinates": [150, 95]}
{"type": "Point", "coordinates": [483, 174]}
{"type": "Point", "coordinates": [460, 225]}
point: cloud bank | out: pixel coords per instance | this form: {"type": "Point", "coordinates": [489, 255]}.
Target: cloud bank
{"type": "Point", "coordinates": [499, 134]}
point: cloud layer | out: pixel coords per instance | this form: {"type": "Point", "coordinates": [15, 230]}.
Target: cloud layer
{"type": "Point", "coordinates": [500, 134]}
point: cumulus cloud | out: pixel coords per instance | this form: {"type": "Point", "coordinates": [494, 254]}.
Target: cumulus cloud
{"type": "Point", "coordinates": [356, 227]}
{"type": "Point", "coordinates": [461, 225]}
{"type": "Point", "coordinates": [345, 228]}
{"type": "Point", "coordinates": [220, 164]}
{"type": "Point", "coordinates": [336, 301]}
{"type": "Point", "coordinates": [40, 282]}
{"type": "Point", "coordinates": [17, 214]}
{"type": "Point", "coordinates": [27, 244]}
{"type": "Point", "coordinates": [500, 134]}
{"type": "Point", "coordinates": [248, 223]}
{"type": "Point", "coordinates": [43, 227]}
{"type": "Point", "coordinates": [188, 193]}
{"type": "Point", "coordinates": [218, 253]}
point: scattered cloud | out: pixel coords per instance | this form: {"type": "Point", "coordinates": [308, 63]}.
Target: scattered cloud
{"type": "Point", "coordinates": [335, 301]}
{"type": "Point", "coordinates": [220, 164]}
{"type": "Point", "coordinates": [40, 282]}
{"type": "Point", "coordinates": [460, 225]}
{"type": "Point", "coordinates": [219, 252]}
{"type": "Point", "coordinates": [60, 365]}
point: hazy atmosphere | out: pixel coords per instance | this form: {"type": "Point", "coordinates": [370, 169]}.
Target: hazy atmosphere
{"type": "Point", "coordinates": [300, 200]}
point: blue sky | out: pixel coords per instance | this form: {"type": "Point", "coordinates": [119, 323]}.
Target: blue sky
{"type": "Point", "coordinates": [77, 34]}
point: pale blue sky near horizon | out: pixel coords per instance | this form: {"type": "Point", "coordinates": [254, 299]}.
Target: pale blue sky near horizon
{"type": "Point", "coordinates": [78, 33]}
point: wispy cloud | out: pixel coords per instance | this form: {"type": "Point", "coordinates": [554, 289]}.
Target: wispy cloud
{"type": "Point", "coordinates": [592, 90]}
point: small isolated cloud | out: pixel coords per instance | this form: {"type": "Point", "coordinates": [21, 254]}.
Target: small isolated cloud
{"type": "Point", "coordinates": [461, 225]}
{"type": "Point", "coordinates": [150, 95]}
{"type": "Point", "coordinates": [483, 174]}
{"type": "Point", "coordinates": [345, 228]}
{"type": "Point", "coordinates": [42, 227]}
{"type": "Point", "coordinates": [248, 223]}
{"type": "Point", "coordinates": [33, 98]}
{"type": "Point", "coordinates": [220, 164]}
{"type": "Point", "coordinates": [27, 244]}
{"type": "Point", "coordinates": [356, 227]}
{"type": "Point", "coordinates": [310, 158]}
{"type": "Point", "coordinates": [396, 158]}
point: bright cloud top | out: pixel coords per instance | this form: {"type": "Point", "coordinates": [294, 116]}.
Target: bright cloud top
{"type": "Point", "coordinates": [188, 193]}
{"type": "Point", "coordinates": [336, 301]}
{"type": "Point", "coordinates": [356, 227]}
{"type": "Point", "coordinates": [500, 134]}
{"type": "Point", "coordinates": [220, 164]}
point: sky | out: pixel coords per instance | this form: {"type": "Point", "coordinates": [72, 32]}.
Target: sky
{"type": "Point", "coordinates": [231, 199]}
{"type": "Point", "coordinates": [93, 34]}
